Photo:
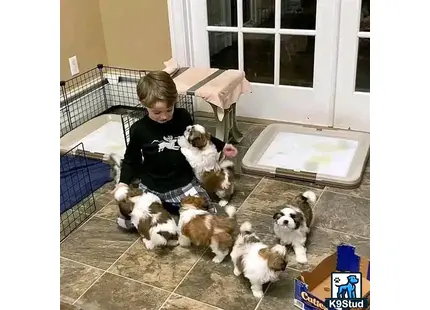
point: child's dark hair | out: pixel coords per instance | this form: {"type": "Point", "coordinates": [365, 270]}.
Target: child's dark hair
{"type": "Point", "coordinates": [157, 86]}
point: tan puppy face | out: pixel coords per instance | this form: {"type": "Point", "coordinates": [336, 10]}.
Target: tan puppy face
{"type": "Point", "coordinates": [197, 136]}
{"type": "Point", "coordinates": [194, 202]}
{"type": "Point", "coordinates": [276, 260]}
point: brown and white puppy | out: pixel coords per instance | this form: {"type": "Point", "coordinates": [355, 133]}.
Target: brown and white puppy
{"type": "Point", "coordinates": [216, 177]}
{"type": "Point", "coordinates": [199, 227]}
{"type": "Point", "coordinates": [154, 224]}
{"type": "Point", "coordinates": [292, 224]}
{"type": "Point", "coordinates": [258, 262]}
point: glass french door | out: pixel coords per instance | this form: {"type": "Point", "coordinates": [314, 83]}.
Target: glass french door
{"type": "Point", "coordinates": [352, 105]}
{"type": "Point", "coordinates": [287, 49]}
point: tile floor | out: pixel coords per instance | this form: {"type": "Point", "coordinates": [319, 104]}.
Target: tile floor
{"type": "Point", "coordinates": [103, 267]}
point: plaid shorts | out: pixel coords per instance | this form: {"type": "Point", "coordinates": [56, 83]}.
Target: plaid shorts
{"type": "Point", "coordinates": [175, 196]}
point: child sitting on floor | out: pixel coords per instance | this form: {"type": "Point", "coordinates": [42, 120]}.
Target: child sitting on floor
{"type": "Point", "coordinates": [153, 154]}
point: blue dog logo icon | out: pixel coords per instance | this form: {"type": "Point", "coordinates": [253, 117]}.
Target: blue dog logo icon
{"type": "Point", "coordinates": [347, 290]}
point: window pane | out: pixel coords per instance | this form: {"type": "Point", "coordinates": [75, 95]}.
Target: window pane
{"type": "Point", "coordinates": [258, 52]}
{"type": "Point", "coordinates": [297, 60]}
{"type": "Point", "coordinates": [222, 13]}
{"type": "Point", "coordinates": [223, 50]}
{"type": "Point", "coordinates": [365, 15]}
{"type": "Point", "coordinates": [259, 14]}
{"type": "Point", "coordinates": [362, 80]}
{"type": "Point", "coordinates": [298, 14]}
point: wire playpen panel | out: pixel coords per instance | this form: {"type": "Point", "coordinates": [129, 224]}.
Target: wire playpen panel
{"type": "Point", "coordinates": [77, 201]}
{"type": "Point", "coordinates": [101, 90]}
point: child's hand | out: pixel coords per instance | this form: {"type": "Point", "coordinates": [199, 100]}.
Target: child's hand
{"type": "Point", "coordinates": [229, 150]}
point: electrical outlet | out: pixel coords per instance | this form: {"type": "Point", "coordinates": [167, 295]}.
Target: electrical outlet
{"type": "Point", "coordinates": [74, 68]}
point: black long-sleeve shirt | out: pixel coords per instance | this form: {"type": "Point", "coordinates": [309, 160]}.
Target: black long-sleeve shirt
{"type": "Point", "coordinates": [154, 156]}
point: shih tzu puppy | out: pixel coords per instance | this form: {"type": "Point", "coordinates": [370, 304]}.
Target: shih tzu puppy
{"type": "Point", "coordinates": [154, 224]}
{"type": "Point", "coordinates": [258, 262]}
{"type": "Point", "coordinates": [115, 162]}
{"type": "Point", "coordinates": [292, 223]}
{"type": "Point", "coordinates": [199, 227]}
{"type": "Point", "coordinates": [216, 177]}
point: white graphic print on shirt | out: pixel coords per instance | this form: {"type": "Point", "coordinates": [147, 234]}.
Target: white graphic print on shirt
{"type": "Point", "coordinates": [168, 143]}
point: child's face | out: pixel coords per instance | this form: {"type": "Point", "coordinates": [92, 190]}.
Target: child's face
{"type": "Point", "coordinates": [160, 113]}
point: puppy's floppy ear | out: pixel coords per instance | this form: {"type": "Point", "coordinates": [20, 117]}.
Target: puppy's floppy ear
{"type": "Point", "coordinates": [275, 261]}
{"type": "Point", "coordinates": [298, 219]}
{"type": "Point", "coordinates": [277, 215]}
{"type": "Point", "coordinates": [196, 142]}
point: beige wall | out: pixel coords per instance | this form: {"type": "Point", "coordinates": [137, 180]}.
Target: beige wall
{"type": "Point", "coordinates": [136, 33]}
{"type": "Point", "coordinates": [81, 34]}
{"type": "Point", "coordinates": [128, 33]}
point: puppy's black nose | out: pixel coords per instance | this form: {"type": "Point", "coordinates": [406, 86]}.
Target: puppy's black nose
{"type": "Point", "coordinates": [286, 222]}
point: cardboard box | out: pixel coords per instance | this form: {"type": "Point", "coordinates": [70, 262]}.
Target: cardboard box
{"type": "Point", "coordinates": [312, 288]}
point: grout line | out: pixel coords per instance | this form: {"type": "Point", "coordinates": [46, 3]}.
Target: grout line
{"type": "Point", "coordinates": [106, 271]}
{"type": "Point", "coordinates": [80, 263]}
{"type": "Point", "coordinates": [318, 200]}
{"type": "Point", "coordinates": [192, 267]}
{"type": "Point", "coordinates": [104, 218]}
{"type": "Point", "coordinates": [80, 226]}
{"type": "Point", "coordinates": [115, 274]}
{"type": "Point", "coordinates": [341, 232]}
{"type": "Point", "coordinates": [198, 301]}
{"type": "Point", "coordinates": [137, 281]}
{"type": "Point", "coordinates": [250, 194]}
{"type": "Point", "coordinates": [256, 212]}
{"type": "Point", "coordinates": [349, 195]}
{"type": "Point", "coordinates": [264, 294]}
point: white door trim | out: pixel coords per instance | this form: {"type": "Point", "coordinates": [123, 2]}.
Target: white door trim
{"type": "Point", "coordinates": [352, 108]}
{"type": "Point", "coordinates": [180, 35]}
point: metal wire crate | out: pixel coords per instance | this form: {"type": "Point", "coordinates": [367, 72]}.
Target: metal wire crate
{"type": "Point", "coordinates": [77, 201]}
{"type": "Point", "coordinates": [101, 90]}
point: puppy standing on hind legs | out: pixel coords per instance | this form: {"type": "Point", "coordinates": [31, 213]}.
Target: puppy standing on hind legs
{"type": "Point", "coordinates": [258, 262]}
{"type": "Point", "coordinates": [216, 177]}
{"type": "Point", "coordinates": [292, 224]}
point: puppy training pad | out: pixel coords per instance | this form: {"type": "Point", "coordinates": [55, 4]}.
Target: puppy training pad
{"type": "Point", "coordinates": [101, 136]}
{"type": "Point", "coordinates": [323, 156]}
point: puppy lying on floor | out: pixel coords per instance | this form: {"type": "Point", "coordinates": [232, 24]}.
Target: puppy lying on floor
{"type": "Point", "coordinates": [216, 177]}
{"type": "Point", "coordinates": [258, 262]}
{"type": "Point", "coordinates": [154, 224]}
{"type": "Point", "coordinates": [199, 227]}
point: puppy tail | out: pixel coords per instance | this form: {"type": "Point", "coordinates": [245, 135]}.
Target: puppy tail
{"type": "Point", "coordinates": [246, 228]}
{"type": "Point", "coordinates": [310, 197]}
{"type": "Point", "coordinates": [115, 159]}
{"type": "Point", "coordinates": [226, 164]}
{"type": "Point", "coordinates": [115, 163]}
{"type": "Point", "coordinates": [231, 211]}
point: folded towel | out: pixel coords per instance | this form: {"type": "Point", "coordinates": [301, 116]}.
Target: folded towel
{"type": "Point", "coordinates": [171, 66]}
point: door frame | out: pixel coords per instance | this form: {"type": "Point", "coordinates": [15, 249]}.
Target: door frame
{"type": "Point", "coordinates": [352, 108]}
{"type": "Point", "coordinates": [184, 30]}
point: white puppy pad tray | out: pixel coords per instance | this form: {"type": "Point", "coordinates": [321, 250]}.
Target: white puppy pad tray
{"type": "Point", "coordinates": [323, 156]}
{"type": "Point", "coordinates": [100, 136]}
